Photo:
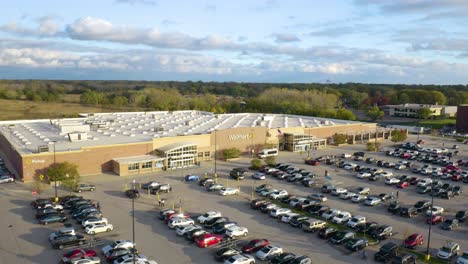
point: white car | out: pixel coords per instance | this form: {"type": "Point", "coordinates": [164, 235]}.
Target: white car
{"type": "Point", "coordinates": [424, 182]}
{"type": "Point", "coordinates": [347, 195]}
{"type": "Point", "coordinates": [236, 231]}
{"type": "Point", "coordinates": [179, 221]}
{"type": "Point", "coordinates": [228, 191]}
{"type": "Point", "coordinates": [386, 174]}
{"type": "Point", "coordinates": [278, 194]}
{"type": "Point", "coordinates": [449, 250]}
{"type": "Point", "coordinates": [356, 220]}
{"type": "Point", "coordinates": [94, 221]}
{"type": "Point", "coordinates": [317, 197]}
{"type": "Point", "coordinates": [341, 217]}
{"type": "Point", "coordinates": [268, 252]}
{"type": "Point", "coordinates": [240, 259]}
{"type": "Point", "coordinates": [58, 207]}
{"type": "Point", "coordinates": [330, 213]}
{"type": "Point", "coordinates": [363, 190]}
{"type": "Point", "coordinates": [287, 217]}
{"type": "Point", "coordinates": [129, 259]}
{"type": "Point", "coordinates": [363, 175]}
{"type": "Point", "coordinates": [350, 166]}
{"type": "Point", "coordinates": [392, 181]}
{"type": "Point", "coordinates": [372, 201]}
{"type": "Point", "coordinates": [400, 167]}
{"type": "Point", "coordinates": [6, 179]}
{"type": "Point", "coordinates": [258, 176]}
{"type": "Point", "coordinates": [338, 191]}
{"type": "Point", "coordinates": [436, 210]}
{"type": "Point", "coordinates": [98, 228]}
{"type": "Point", "coordinates": [182, 230]}
{"type": "Point", "coordinates": [208, 216]}
{"type": "Point", "coordinates": [279, 212]}
{"type": "Point", "coordinates": [266, 192]}
{"type": "Point", "coordinates": [85, 260]}
{"type": "Point", "coordinates": [117, 244]}
{"type": "Point", "coordinates": [463, 259]}
{"type": "Point", "coordinates": [358, 198]}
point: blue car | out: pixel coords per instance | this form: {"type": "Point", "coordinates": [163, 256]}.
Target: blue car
{"type": "Point", "coordinates": [191, 178]}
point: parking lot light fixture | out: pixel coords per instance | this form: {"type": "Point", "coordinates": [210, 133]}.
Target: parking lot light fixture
{"type": "Point", "coordinates": [133, 220]}
{"type": "Point", "coordinates": [428, 255]}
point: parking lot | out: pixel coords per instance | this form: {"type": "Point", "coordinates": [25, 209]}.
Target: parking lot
{"type": "Point", "coordinates": [25, 241]}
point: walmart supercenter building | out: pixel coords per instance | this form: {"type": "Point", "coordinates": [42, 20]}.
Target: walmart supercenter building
{"type": "Point", "coordinates": [128, 143]}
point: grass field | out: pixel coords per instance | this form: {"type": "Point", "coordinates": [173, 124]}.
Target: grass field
{"type": "Point", "coordinates": [20, 109]}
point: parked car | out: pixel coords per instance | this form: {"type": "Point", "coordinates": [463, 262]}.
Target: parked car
{"type": "Point", "coordinates": [207, 240]}
{"type": "Point", "coordinates": [228, 191]}
{"type": "Point", "coordinates": [327, 232]}
{"type": "Point", "coordinates": [255, 245]}
{"type": "Point", "coordinates": [312, 225]}
{"type": "Point", "coordinates": [191, 178]}
{"type": "Point", "coordinates": [236, 231]}
{"type": "Point", "coordinates": [283, 258]}
{"type": "Point", "coordinates": [463, 259]}
{"type": "Point", "coordinates": [408, 211]}
{"type": "Point", "coordinates": [70, 240]}
{"type": "Point", "coordinates": [435, 210]}
{"type": "Point", "coordinates": [356, 220]}
{"type": "Point", "coordinates": [422, 205]}
{"type": "Point", "coordinates": [77, 253]}
{"type": "Point", "coordinates": [372, 201]}
{"type": "Point", "coordinates": [52, 218]}
{"type": "Point", "coordinates": [382, 233]}
{"type": "Point", "coordinates": [132, 193]}
{"type": "Point", "coordinates": [98, 228]}
{"type": "Point", "coordinates": [179, 221]}
{"type": "Point", "coordinates": [413, 241]}
{"type": "Point", "coordinates": [435, 219]}
{"type": "Point", "coordinates": [386, 252]}
{"type": "Point", "coordinates": [341, 237]}
{"type": "Point", "coordinates": [301, 260]}
{"type": "Point", "coordinates": [317, 197]}
{"type": "Point", "coordinates": [448, 251]}
{"type": "Point", "coordinates": [206, 181]}
{"type": "Point", "coordinates": [207, 216]}
{"type": "Point", "coordinates": [449, 224]}
{"type": "Point", "coordinates": [404, 259]}
{"type": "Point", "coordinates": [269, 252]}
{"type": "Point", "coordinates": [461, 216]}
{"type": "Point", "coordinates": [225, 253]}
{"type": "Point", "coordinates": [355, 244]}
{"type": "Point", "coordinates": [240, 259]}
{"type": "Point", "coordinates": [106, 250]}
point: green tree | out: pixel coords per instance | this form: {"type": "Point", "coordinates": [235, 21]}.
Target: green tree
{"type": "Point", "coordinates": [270, 161]}
{"type": "Point", "coordinates": [372, 146]}
{"type": "Point", "coordinates": [345, 114]}
{"type": "Point", "coordinates": [120, 101]}
{"type": "Point", "coordinates": [255, 164]}
{"type": "Point", "coordinates": [38, 184]}
{"type": "Point", "coordinates": [62, 171]}
{"type": "Point", "coordinates": [231, 153]}
{"type": "Point", "coordinates": [375, 113]}
{"type": "Point", "coordinates": [340, 138]}
{"type": "Point", "coordinates": [424, 113]}
{"type": "Point", "coordinates": [399, 135]}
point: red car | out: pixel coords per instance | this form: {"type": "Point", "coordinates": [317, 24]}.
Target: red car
{"type": "Point", "coordinates": [414, 240]}
{"type": "Point", "coordinates": [457, 177]}
{"type": "Point", "coordinates": [435, 219]}
{"type": "Point", "coordinates": [312, 162]}
{"type": "Point", "coordinates": [78, 253]}
{"type": "Point", "coordinates": [403, 185]}
{"type": "Point", "coordinates": [207, 240]}
{"type": "Point", "coordinates": [255, 245]}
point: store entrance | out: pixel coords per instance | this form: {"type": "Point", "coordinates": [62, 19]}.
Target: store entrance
{"type": "Point", "coordinates": [183, 162]}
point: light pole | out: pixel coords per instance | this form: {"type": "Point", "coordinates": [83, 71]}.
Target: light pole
{"type": "Point", "coordinates": [133, 219]}
{"type": "Point", "coordinates": [428, 256]}
{"type": "Point", "coordinates": [215, 155]}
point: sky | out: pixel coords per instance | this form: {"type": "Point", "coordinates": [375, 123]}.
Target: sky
{"type": "Point", "coordinates": [368, 41]}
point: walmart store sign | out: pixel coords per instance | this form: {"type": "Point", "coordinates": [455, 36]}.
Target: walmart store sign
{"type": "Point", "coordinates": [240, 137]}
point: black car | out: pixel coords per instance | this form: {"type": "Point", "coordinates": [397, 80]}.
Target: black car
{"type": "Point", "coordinates": [52, 218]}
{"type": "Point", "coordinates": [368, 227]}
{"type": "Point", "coordinates": [71, 240]}
{"type": "Point", "coordinates": [116, 253]}
{"type": "Point", "coordinates": [461, 216]}
{"type": "Point", "coordinates": [46, 211]}
{"type": "Point", "coordinates": [422, 205]}
{"type": "Point", "coordinates": [318, 209]}
{"type": "Point", "coordinates": [237, 173]}
{"type": "Point", "coordinates": [386, 252]}
{"type": "Point", "coordinates": [206, 181]}
{"type": "Point", "coordinates": [88, 215]}
{"type": "Point", "coordinates": [257, 203]}
{"type": "Point", "coordinates": [132, 193]}
{"type": "Point", "coordinates": [385, 196]}
{"type": "Point", "coordinates": [408, 212]}
{"type": "Point", "coordinates": [447, 195]}
{"type": "Point", "coordinates": [423, 189]}
{"type": "Point", "coordinates": [394, 207]}
{"type": "Point", "coordinates": [355, 244]}
{"type": "Point", "coordinates": [163, 213]}
{"type": "Point", "coordinates": [263, 187]}
{"type": "Point", "coordinates": [226, 252]}
{"type": "Point", "coordinates": [404, 259]}
{"type": "Point", "coordinates": [457, 190]}
{"type": "Point", "coordinates": [212, 222]}
{"type": "Point", "coordinates": [283, 258]}
{"type": "Point", "coordinates": [301, 260]}
{"type": "Point", "coordinates": [193, 234]}
{"type": "Point", "coordinates": [382, 233]}
{"type": "Point", "coordinates": [296, 221]}
{"type": "Point", "coordinates": [327, 232]}
{"type": "Point", "coordinates": [341, 236]}
{"type": "Point", "coordinates": [449, 224]}
{"type": "Point", "coordinates": [220, 228]}
{"type": "Point", "coordinates": [370, 160]}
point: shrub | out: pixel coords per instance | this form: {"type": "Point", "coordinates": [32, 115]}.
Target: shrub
{"type": "Point", "coordinates": [231, 153]}
{"type": "Point", "coordinates": [399, 135]}
{"type": "Point", "coordinates": [255, 164]}
{"type": "Point", "coordinates": [340, 138]}
{"type": "Point", "coordinates": [270, 161]}
{"type": "Point", "coordinates": [373, 146]}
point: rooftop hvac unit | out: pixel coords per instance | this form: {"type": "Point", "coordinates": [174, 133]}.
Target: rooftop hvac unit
{"type": "Point", "coordinates": [189, 123]}
{"type": "Point", "coordinates": [261, 123]}
{"type": "Point", "coordinates": [43, 148]}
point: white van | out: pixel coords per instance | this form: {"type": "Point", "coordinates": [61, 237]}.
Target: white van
{"type": "Point", "coordinates": [267, 153]}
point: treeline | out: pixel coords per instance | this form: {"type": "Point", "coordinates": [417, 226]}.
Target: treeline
{"type": "Point", "coordinates": [326, 100]}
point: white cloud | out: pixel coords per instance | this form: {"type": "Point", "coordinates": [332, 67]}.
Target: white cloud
{"type": "Point", "coordinates": [46, 27]}
{"type": "Point", "coordinates": [285, 37]}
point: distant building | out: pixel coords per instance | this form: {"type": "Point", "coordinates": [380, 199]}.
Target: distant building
{"type": "Point", "coordinates": [462, 118]}
{"type": "Point", "coordinates": [411, 110]}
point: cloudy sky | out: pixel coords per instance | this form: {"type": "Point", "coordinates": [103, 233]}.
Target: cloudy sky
{"type": "Point", "coordinates": [371, 41]}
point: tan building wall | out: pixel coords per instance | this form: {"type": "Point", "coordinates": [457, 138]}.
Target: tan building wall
{"type": "Point", "coordinates": [325, 132]}
{"type": "Point", "coordinates": [243, 138]}
{"type": "Point", "coordinates": [90, 160]}
{"type": "Point", "coordinates": [14, 158]}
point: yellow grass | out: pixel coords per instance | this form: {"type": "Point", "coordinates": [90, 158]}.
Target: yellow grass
{"type": "Point", "coordinates": [20, 109]}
